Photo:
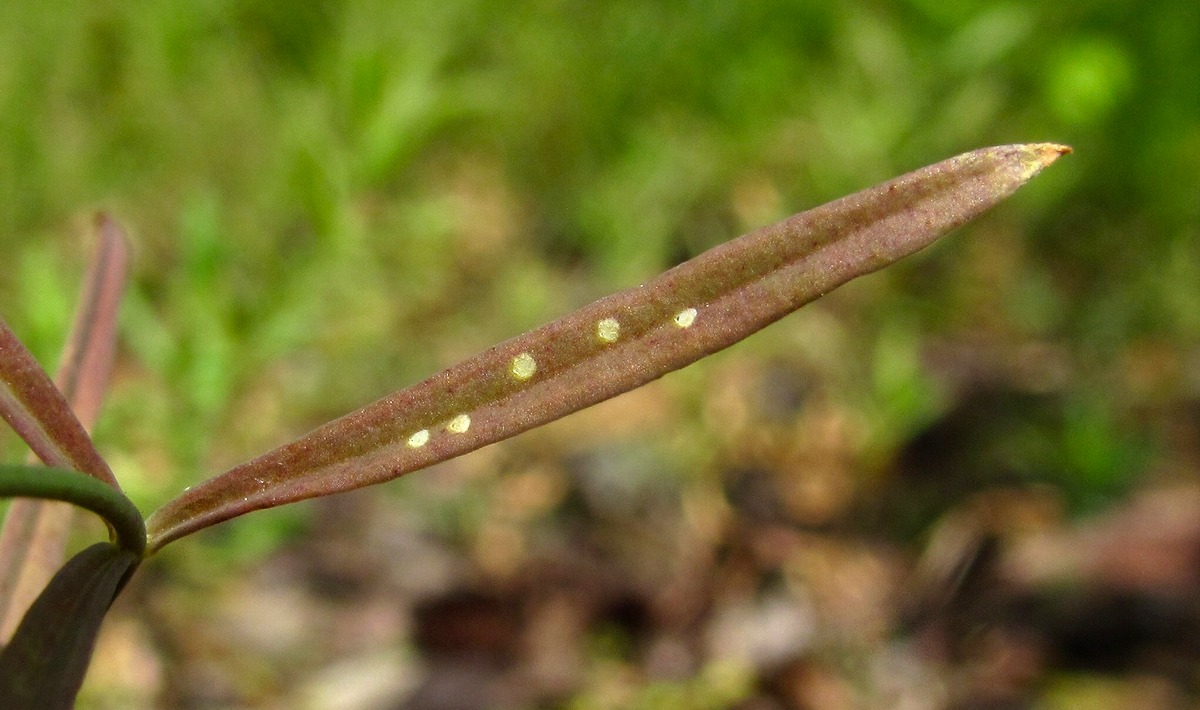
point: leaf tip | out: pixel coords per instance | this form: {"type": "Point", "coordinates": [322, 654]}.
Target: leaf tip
{"type": "Point", "coordinates": [1040, 155]}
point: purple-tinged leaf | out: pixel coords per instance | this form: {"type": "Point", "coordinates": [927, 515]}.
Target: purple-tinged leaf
{"type": "Point", "coordinates": [39, 413]}
{"type": "Point", "coordinates": [617, 343]}
{"type": "Point", "coordinates": [88, 357]}
{"type": "Point", "coordinates": [34, 534]}
{"type": "Point", "coordinates": [32, 405]}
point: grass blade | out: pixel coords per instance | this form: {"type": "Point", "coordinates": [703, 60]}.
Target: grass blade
{"type": "Point", "coordinates": [617, 343]}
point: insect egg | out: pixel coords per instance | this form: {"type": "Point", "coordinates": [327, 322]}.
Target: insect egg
{"type": "Point", "coordinates": [685, 318]}
{"type": "Point", "coordinates": [523, 366]}
{"type": "Point", "coordinates": [459, 424]}
{"type": "Point", "coordinates": [608, 330]}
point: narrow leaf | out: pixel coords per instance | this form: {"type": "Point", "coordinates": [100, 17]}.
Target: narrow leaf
{"type": "Point", "coordinates": [88, 357]}
{"type": "Point", "coordinates": [44, 665]}
{"type": "Point", "coordinates": [35, 408]}
{"type": "Point", "coordinates": [34, 535]}
{"type": "Point", "coordinates": [617, 343]}
{"type": "Point", "coordinates": [39, 413]}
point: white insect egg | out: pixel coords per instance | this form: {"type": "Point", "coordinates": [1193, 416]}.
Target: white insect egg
{"type": "Point", "coordinates": [459, 424]}
{"type": "Point", "coordinates": [523, 366]}
{"type": "Point", "coordinates": [685, 318]}
{"type": "Point", "coordinates": [418, 439]}
{"type": "Point", "coordinates": [608, 330]}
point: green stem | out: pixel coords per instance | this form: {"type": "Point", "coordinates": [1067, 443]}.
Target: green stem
{"type": "Point", "coordinates": [79, 489]}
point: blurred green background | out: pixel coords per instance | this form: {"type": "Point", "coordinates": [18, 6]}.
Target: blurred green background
{"type": "Point", "coordinates": [331, 200]}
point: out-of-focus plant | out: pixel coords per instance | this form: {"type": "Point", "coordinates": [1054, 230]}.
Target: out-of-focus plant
{"type": "Point", "coordinates": [612, 346]}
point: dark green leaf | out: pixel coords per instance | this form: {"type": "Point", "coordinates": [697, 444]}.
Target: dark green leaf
{"type": "Point", "coordinates": [44, 665]}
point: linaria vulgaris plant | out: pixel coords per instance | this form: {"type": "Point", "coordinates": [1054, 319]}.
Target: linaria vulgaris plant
{"type": "Point", "coordinates": [613, 345]}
